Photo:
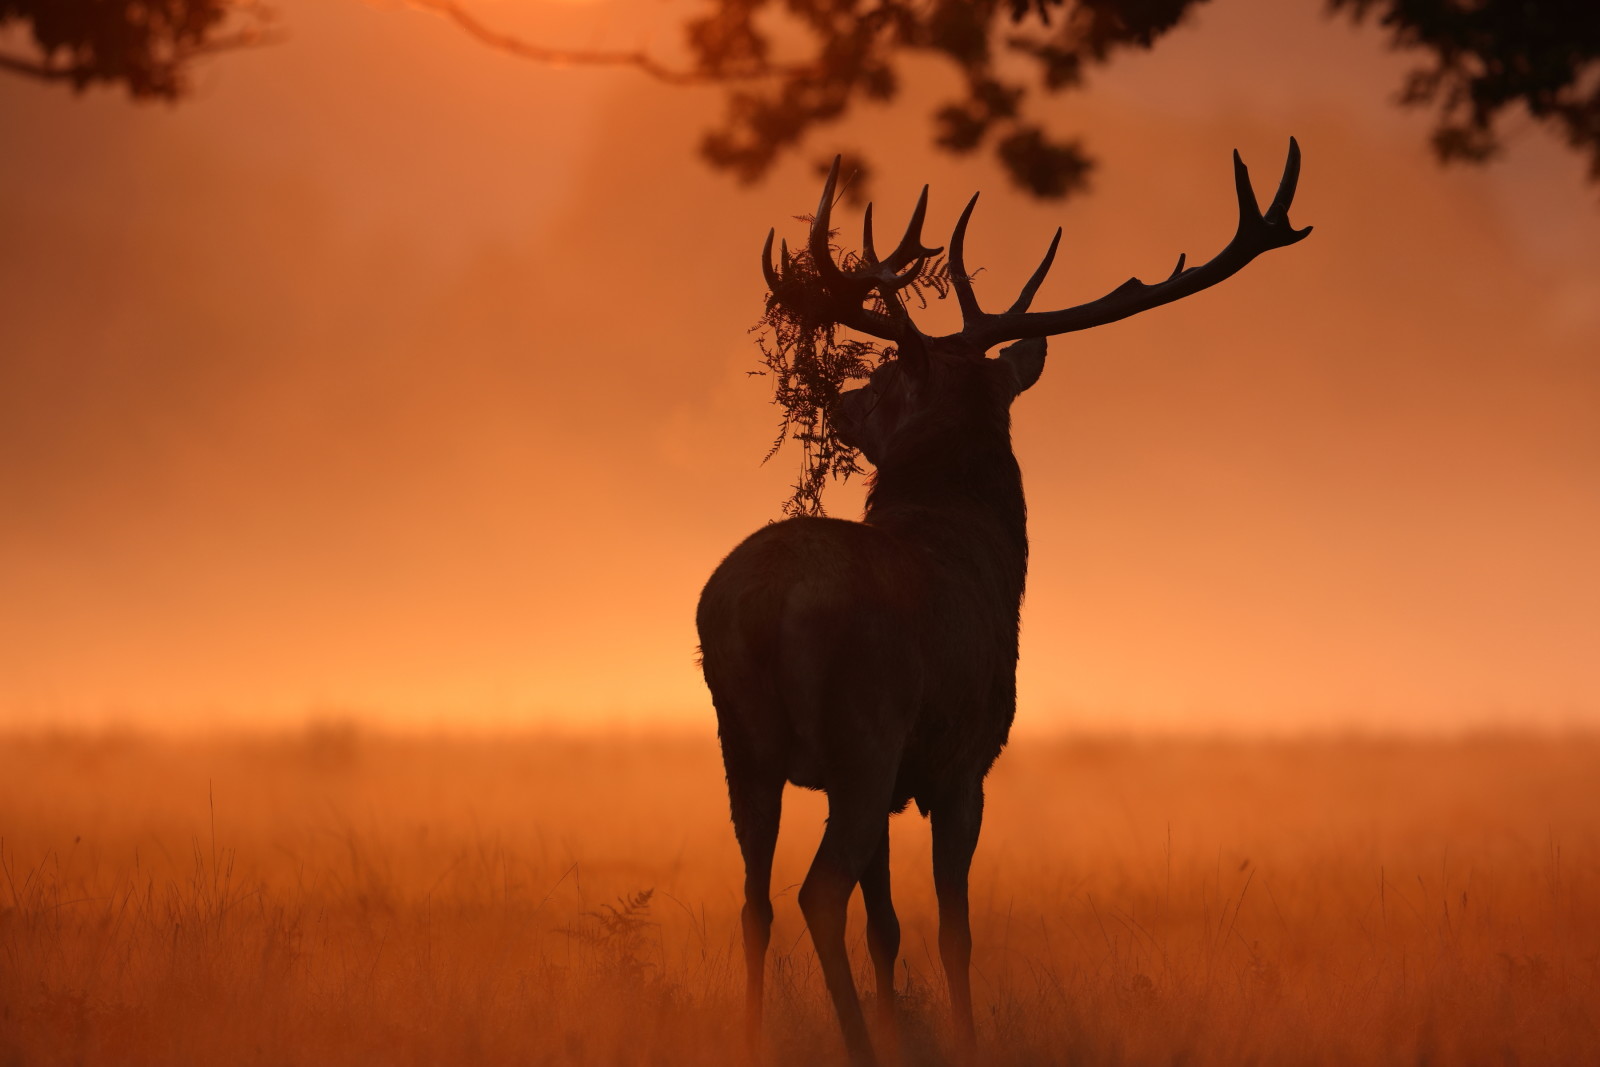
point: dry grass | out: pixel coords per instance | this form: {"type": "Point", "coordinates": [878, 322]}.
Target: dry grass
{"type": "Point", "coordinates": [343, 898]}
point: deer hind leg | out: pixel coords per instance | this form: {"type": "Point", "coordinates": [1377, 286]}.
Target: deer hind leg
{"type": "Point", "coordinates": [883, 928]}
{"type": "Point", "coordinates": [956, 822]}
{"type": "Point", "coordinates": [757, 803]}
{"type": "Point", "coordinates": [858, 815]}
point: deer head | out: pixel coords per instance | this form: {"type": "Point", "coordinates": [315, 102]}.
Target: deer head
{"type": "Point", "coordinates": [937, 381]}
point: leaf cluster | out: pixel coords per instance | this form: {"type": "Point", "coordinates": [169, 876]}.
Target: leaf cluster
{"type": "Point", "coordinates": [791, 67]}
{"type": "Point", "coordinates": [854, 51]}
{"type": "Point", "coordinates": [147, 46]}
{"type": "Point", "coordinates": [1488, 56]}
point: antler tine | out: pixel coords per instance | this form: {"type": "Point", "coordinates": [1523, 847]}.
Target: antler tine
{"type": "Point", "coordinates": [821, 254]}
{"type": "Point", "coordinates": [1256, 233]}
{"type": "Point", "coordinates": [1277, 214]}
{"type": "Point", "coordinates": [911, 246]}
{"type": "Point", "coordinates": [1279, 210]}
{"type": "Point", "coordinates": [970, 311]}
{"type": "Point", "coordinates": [766, 262]}
{"type": "Point", "coordinates": [1025, 297]}
{"type": "Point", "coordinates": [896, 282]}
{"type": "Point", "coordinates": [840, 292]}
{"type": "Point", "coordinates": [1248, 206]}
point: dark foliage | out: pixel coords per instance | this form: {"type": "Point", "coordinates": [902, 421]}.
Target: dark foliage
{"type": "Point", "coordinates": [146, 46]}
{"type": "Point", "coordinates": [792, 67]}
{"type": "Point", "coordinates": [1485, 57]}
{"type": "Point", "coordinates": [811, 362]}
{"type": "Point", "coordinates": [810, 366]}
{"type": "Point", "coordinates": [853, 50]}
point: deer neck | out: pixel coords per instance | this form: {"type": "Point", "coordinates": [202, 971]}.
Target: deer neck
{"type": "Point", "coordinates": [956, 496]}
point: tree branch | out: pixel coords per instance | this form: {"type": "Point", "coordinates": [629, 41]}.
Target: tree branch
{"type": "Point", "coordinates": [639, 60]}
{"type": "Point", "coordinates": [43, 72]}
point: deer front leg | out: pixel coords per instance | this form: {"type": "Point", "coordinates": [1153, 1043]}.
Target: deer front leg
{"type": "Point", "coordinates": [858, 814]}
{"type": "Point", "coordinates": [956, 821]}
{"type": "Point", "coordinates": [883, 929]}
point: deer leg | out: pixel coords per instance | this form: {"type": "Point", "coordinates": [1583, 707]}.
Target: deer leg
{"type": "Point", "coordinates": [955, 836]}
{"type": "Point", "coordinates": [858, 814]}
{"type": "Point", "coordinates": [756, 808]}
{"type": "Point", "coordinates": [883, 927]}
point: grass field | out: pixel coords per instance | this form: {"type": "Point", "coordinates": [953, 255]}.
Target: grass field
{"type": "Point", "coordinates": [336, 897]}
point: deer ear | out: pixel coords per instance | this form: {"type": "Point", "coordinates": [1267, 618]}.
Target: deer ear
{"type": "Point", "coordinates": [1025, 360]}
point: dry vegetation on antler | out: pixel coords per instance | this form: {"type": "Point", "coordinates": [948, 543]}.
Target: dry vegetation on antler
{"type": "Point", "coordinates": [810, 362]}
{"type": "Point", "coordinates": [344, 898]}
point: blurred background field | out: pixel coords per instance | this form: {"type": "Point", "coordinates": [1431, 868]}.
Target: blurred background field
{"type": "Point", "coordinates": [340, 896]}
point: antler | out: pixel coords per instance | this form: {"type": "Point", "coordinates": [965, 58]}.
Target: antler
{"type": "Point", "coordinates": [1257, 232]}
{"type": "Point", "coordinates": [846, 290]}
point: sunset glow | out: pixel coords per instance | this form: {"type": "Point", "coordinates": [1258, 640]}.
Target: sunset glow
{"type": "Point", "coordinates": [376, 411]}
{"type": "Point", "coordinates": [395, 379]}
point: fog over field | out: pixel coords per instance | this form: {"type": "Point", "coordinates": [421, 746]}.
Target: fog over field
{"type": "Point", "coordinates": [310, 400]}
{"type": "Point", "coordinates": [339, 897]}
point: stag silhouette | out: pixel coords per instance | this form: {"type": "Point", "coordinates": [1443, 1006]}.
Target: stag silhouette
{"type": "Point", "coordinates": [876, 660]}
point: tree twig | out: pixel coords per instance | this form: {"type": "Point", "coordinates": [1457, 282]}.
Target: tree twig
{"type": "Point", "coordinates": [638, 59]}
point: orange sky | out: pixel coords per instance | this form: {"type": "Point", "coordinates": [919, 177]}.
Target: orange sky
{"type": "Point", "coordinates": [390, 376]}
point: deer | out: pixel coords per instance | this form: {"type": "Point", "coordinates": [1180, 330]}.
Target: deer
{"type": "Point", "coordinates": [876, 660]}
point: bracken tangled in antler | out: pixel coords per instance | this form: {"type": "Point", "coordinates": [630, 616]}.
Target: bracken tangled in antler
{"type": "Point", "coordinates": [810, 364]}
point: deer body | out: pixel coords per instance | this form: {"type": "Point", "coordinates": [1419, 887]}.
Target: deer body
{"type": "Point", "coordinates": [919, 601]}
{"type": "Point", "coordinates": [876, 660]}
